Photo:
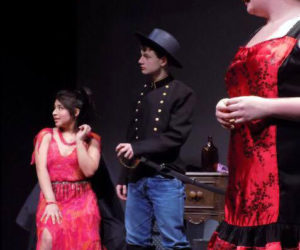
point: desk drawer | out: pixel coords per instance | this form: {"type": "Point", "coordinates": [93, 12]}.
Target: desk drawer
{"type": "Point", "coordinates": [201, 204]}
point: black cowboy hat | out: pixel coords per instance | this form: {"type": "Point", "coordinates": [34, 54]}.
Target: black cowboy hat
{"type": "Point", "coordinates": [162, 41]}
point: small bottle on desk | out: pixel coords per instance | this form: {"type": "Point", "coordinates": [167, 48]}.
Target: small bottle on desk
{"type": "Point", "coordinates": [209, 156]}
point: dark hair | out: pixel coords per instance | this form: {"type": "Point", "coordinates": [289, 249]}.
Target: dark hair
{"type": "Point", "coordinates": [157, 50]}
{"type": "Point", "coordinates": [81, 99]}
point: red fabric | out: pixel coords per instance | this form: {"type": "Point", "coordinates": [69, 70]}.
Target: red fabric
{"type": "Point", "coordinates": [78, 203]}
{"type": "Point", "coordinates": [253, 191]}
{"type": "Point", "coordinates": [218, 244]}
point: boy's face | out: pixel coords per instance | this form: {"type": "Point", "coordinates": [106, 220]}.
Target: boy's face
{"type": "Point", "coordinates": [149, 62]}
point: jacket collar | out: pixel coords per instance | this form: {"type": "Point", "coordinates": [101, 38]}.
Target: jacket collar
{"type": "Point", "coordinates": [162, 82]}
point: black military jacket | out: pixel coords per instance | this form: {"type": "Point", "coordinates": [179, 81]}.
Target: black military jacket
{"type": "Point", "coordinates": [160, 125]}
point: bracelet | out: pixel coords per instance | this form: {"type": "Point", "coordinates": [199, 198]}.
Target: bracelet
{"type": "Point", "coordinates": [50, 202]}
{"type": "Point", "coordinates": [129, 163]}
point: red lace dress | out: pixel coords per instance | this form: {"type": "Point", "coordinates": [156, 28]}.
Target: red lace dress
{"type": "Point", "coordinates": [80, 225]}
{"type": "Point", "coordinates": [262, 207]}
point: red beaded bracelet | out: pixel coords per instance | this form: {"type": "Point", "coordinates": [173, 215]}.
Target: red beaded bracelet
{"type": "Point", "coordinates": [50, 202]}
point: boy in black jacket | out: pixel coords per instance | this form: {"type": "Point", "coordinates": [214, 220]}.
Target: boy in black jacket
{"type": "Point", "coordinates": [160, 125]}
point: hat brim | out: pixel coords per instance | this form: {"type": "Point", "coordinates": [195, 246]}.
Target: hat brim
{"type": "Point", "coordinates": [145, 40]}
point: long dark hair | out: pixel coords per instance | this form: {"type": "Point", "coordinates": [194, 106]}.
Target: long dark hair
{"type": "Point", "coordinates": [79, 98]}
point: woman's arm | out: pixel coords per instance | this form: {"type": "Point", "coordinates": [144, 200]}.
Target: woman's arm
{"type": "Point", "coordinates": [41, 168]}
{"type": "Point", "coordinates": [248, 108]}
{"type": "Point", "coordinates": [51, 209]}
{"type": "Point", "coordinates": [88, 157]}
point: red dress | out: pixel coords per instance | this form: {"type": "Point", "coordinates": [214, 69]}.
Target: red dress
{"type": "Point", "coordinates": [262, 207]}
{"type": "Point", "coordinates": [77, 202]}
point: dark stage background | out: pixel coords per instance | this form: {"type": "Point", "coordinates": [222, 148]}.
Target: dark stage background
{"type": "Point", "coordinates": [63, 44]}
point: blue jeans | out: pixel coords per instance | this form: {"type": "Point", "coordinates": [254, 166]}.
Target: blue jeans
{"type": "Point", "coordinates": [156, 198]}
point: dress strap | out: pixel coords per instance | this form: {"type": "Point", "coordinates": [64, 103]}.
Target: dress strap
{"type": "Point", "coordinates": [295, 31]}
{"type": "Point", "coordinates": [97, 137]}
{"type": "Point", "coordinates": [38, 140]}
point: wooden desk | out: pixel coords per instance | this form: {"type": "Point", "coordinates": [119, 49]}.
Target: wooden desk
{"type": "Point", "coordinates": [201, 204]}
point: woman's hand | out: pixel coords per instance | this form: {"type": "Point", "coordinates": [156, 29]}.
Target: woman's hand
{"type": "Point", "coordinates": [241, 109]}
{"type": "Point", "coordinates": [52, 211]}
{"type": "Point", "coordinates": [222, 114]}
{"type": "Point", "coordinates": [247, 108]}
{"type": "Point", "coordinates": [83, 132]}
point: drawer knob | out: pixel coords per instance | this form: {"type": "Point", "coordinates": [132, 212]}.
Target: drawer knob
{"type": "Point", "coordinates": [195, 195]}
{"type": "Point", "coordinates": [199, 194]}
{"type": "Point", "coordinates": [192, 194]}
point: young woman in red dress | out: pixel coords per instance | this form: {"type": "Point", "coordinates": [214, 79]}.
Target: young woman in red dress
{"type": "Point", "coordinates": [263, 114]}
{"type": "Point", "coordinates": [65, 157]}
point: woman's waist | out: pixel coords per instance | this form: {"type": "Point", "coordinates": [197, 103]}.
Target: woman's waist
{"type": "Point", "coordinates": [68, 181]}
{"type": "Point", "coordinates": [65, 190]}
{"type": "Point", "coordinates": [66, 184]}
